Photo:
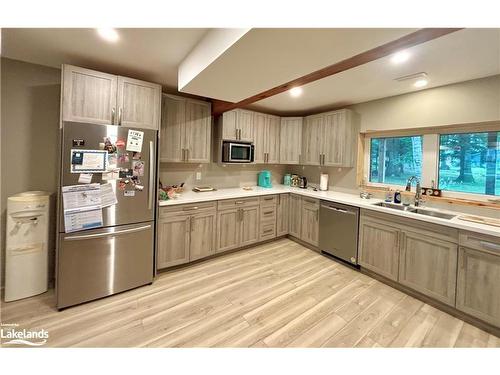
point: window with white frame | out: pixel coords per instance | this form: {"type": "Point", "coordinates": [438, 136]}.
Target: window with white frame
{"type": "Point", "coordinates": [458, 163]}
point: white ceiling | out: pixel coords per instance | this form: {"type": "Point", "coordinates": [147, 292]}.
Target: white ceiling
{"type": "Point", "coordinates": [264, 58]}
{"type": "Point", "coordinates": [149, 54]}
{"type": "Point", "coordinates": [456, 57]}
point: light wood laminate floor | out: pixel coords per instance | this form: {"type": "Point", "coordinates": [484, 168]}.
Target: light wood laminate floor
{"type": "Point", "coordinates": [278, 294]}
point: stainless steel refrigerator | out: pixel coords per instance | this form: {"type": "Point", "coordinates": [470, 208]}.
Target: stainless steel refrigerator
{"type": "Point", "coordinates": [118, 256]}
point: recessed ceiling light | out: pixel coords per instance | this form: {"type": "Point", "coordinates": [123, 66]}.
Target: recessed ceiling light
{"type": "Point", "coordinates": [296, 91]}
{"type": "Point", "coordinates": [400, 57]}
{"type": "Point", "coordinates": [108, 34]}
{"type": "Point", "coordinates": [421, 82]}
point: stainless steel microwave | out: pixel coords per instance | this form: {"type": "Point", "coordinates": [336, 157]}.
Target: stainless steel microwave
{"type": "Point", "coordinates": [237, 152]}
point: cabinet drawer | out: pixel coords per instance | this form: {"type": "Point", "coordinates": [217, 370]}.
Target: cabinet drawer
{"type": "Point", "coordinates": [268, 200]}
{"type": "Point", "coordinates": [267, 231]}
{"type": "Point", "coordinates": [242, 202]}
{"type": "Point", "coordinates": [310, 202]}
{"type": "Point", "coordinates": [268, 213]}
{"type": "Point", "coordinates": [480, 242]}
{"type": "Point", "coordinates": [190, 208]}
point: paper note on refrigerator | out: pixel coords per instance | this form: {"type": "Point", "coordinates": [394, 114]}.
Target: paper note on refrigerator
{"type": "Point", "coordinates": [134, 140]}
{"type": "Point", "coordinates": [82, 207]}
{"type": "Point", "coordinates": [108, 196]}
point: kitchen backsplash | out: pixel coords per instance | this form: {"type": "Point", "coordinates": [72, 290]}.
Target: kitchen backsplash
{"type": "Point", "coordinates": [216, 175]}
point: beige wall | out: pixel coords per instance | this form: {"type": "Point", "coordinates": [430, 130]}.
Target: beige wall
{"type": "Point", "coordinates": [217, 175]}
{"type": "Point", "coordinates": [29, 135]}
{"type": "Point", "coordinates": [467, 102]}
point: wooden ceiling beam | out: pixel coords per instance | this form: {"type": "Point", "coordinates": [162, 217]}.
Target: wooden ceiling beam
{"type": "Point", "coordinates": [407, 41]}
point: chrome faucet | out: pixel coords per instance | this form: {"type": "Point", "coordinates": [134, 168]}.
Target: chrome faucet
{"type": "Point", "coordinates": [418, 192]}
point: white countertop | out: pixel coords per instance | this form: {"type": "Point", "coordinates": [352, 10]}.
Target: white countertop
{"type": "Point", "coordinates": [332, 196]}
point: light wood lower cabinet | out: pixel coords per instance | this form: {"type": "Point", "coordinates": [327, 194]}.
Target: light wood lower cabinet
{"type": "Point", "coordinates": [228, 234]}
{"type": "Point", "coordinates": [173, 241]}
{"type": "Point", "coordinates": [310, 221]}
{"type": "Point", "coordinates": [478, 281]}
{"type": "Point", "coordinates": [282, 214]}
{"type": "Point", "coordinates": [295, 215]}
{"type": "Point", "coordinates": [428, 265]}
{"type": "Point", "coordinates": [379, 248]}
{"type": "Point", "coordinates": [186, 233]}
{"type": "Point", "coordinates": [249, 225]}
{"type": "Point", "coordinates": [202, 239]}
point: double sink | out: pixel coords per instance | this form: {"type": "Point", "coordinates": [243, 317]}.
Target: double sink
{"type": "Point", "coordinates": [415, 210]}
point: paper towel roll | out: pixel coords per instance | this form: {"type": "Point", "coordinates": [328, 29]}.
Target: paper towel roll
{"type": "Point", "coordinates": [323, 182]}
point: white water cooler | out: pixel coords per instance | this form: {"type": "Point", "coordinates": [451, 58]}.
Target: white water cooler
{"type": "Point", "coordinates": [27, 237]}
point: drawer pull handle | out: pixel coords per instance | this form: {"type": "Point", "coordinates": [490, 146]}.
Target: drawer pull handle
{"type": "Point", "coordinates": [268, 212]}
{"type": "Point", "coordinates": [190, 208]}
{"type": "Point", "coordinates": [269, 198]}
{"type": "Point", "coordinates": [239, 202]}
{"type": "Point", "coordinates": [268, 231]}
{"type": "Point", "coordinates": [490, 246]}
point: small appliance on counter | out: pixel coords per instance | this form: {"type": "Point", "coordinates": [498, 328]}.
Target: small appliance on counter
{"type": "Point", "coordinates": [265, 179]}
{"type": "Point", "coordinates": [303, 183]}
{"type": "Point", "coordinates": [323, 182]}
{"type": "Point", "coordinates": [287, 179]}
{"type": "Point", "coordinates": [295, 181]}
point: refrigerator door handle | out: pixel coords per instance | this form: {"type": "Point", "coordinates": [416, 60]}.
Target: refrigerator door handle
{"type": "Point", "coordinates": [98, 235]}
{"type": "Point", "coordinates": [151, 175]}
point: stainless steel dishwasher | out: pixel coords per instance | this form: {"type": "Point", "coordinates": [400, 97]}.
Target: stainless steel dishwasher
{"type": "Point", "coordinates": [338, 230]}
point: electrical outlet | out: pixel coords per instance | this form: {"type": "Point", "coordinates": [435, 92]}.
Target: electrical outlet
{"type": "Point", "coordinates": [198, 176]}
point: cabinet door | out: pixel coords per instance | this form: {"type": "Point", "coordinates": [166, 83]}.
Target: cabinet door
{"type": "Point", "coordinates": [202, 242]}
{"type": "Point", "coordinates": [88, 96]}
{"type": "Point", "coordinates": [260, 137]}
{"type": "Point", "coordinates": [282, 214]}
{"type": "Point", "coordinates": [379, 248]}
{"type": "Point", "coordinates": [198, 133]}
{"type": "Point", "coordinates": [228, 229]}
{"type": "Point", "coordinates": [429, 265]}
{"type": "Point", "coordinates": [312, 140]}
{"type": "Point", "coordinates": [245, 125]}
{"type": "Point", "coordinates": [290, 140]}
{"type": "Point", "coordinates": [172, 129]}
{"type": "Point", "coordinates": [478, 284]}
{"type": "Point", "coordinates": [229, 121]}
{"type": "Point", "coordinates": [334, 142]}
{"type": "Point", "coordinates": [249, 225]}
{"type": "Point", "coordinates": [139, 103]}
{"type": "Point", "coordinates": [295, 215]}
{"type": "Point", "coordinates": [273, 139]}
{"type": "Point", "coordinates": [173, 241]}
{"type": "Point", "coordinates": [310, 224]}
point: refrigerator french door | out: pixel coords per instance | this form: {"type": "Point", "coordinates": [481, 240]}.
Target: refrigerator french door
{"type": "Point", "coordinates": [95, 263]}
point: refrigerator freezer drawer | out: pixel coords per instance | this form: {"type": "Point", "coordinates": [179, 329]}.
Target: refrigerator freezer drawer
{"type": "Point", "coordinates": [97, 263]}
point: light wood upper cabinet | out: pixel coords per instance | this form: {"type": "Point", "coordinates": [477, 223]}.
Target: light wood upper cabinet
{"type": "Point", "coordinates": [228, 229]}
{"type": "Point", "coordinates": [312, 140]}
{"type": "Point", "coordinates": [139, 103]}
{"type": "Point", "coordinates": [282, 214]}
{"type": "Point", "coordinates": [100, 98]}
{"type": "Point", "coordinates": [260, 135]}
{"type": "Point", "coordinates": [172, 129]}
{"type": "Point", "coordinates": [295, 215]}
{"type": "Point", "coordinates": [329, 139]}
{"type": "Point", "coordinates": [266, 138]}
{"type": "Point", "coordinates": [173, 241]}
{"type": "Point", "coordinates": [310, 221]}
{"type": "Point", "coordinates": [198, 131]}
{"type": "Point", "coordinates": [428, 265]}
{"type": "Point", "coordinates": [339, 141]}
{"type": "Point", "coordinates": [202, 226]}
{"type": "Point", "coordinates": [88, 95]}
{"type": "Point", "coordinates": [478, 282]}
{"type": "Point", "coordinates": [186, 130]}
{"type": "Point", "coordinates": [237, 125]}
{"type": "Point", "coordinates": [290, 140]}
{"type": "Point", "coordinates": [379, 248]}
